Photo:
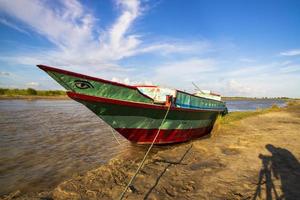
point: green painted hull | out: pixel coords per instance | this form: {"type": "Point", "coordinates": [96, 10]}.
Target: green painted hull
{"type": "Point", "coordinates": [100, 89]}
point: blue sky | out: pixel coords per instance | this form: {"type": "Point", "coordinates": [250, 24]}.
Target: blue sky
{"type": "Point", "coordinates": [233, 47]}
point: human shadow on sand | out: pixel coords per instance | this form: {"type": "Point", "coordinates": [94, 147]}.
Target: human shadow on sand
{"type": "Point", "coordinates": [282, 165]}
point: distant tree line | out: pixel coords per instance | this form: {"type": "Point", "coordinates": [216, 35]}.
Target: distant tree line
{"type": "Point", "coordinates": [253, 98]}
{"type": "Point", "coordinates": [31, 92]}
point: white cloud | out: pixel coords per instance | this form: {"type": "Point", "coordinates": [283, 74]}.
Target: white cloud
{"type": "Point", "coordinates": [118, 39]}
{"type": "Point", "coordinates": [247, 60]}
{"type": "Point", "coordinates": [237, 88]}
{"type": "Point", "coordinates": [246, 71]}
{"type": "Point", "coordinates": [290, 69]}
{"type": "Point", "coordinates": [182, 47]}
{"type": "Point", "coordinates": [189, 66]}
{"type": "Point", "coordinates": [240, 80]}
{"type": "Point", "coordinates": [73, 30]}
{"type": "Point", "coordinates": [5, 74]}
{"type": "Point", "coordinates": [33, 84]}
{"type": "Point", "coordinates": [286, 62]}
{"type": "Point", "coordinates": [13, 26]}
{"type": "Point", "coordinates": [178, 73]}
{"type": "Point", "coordinates": [269, 79]}
{"type": "Point", "coordinates": [84, 46]}
{"type": "Point", "coordinates": [293, 52]}
{"type": "Point", "coordinates": [59, 27]}
{"type": "Point", "coordinates": [128, 81]}
{"type": "Point", "coordinates": [263, 69]}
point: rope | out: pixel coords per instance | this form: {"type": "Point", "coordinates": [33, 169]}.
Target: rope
{"type": "Point", "coordinates": [144, 159]}
{"type": "Point", "coordinates": [113, 133]}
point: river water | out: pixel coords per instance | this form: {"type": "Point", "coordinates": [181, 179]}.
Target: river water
{"type": "Point", "coordinates": [248, 105]}
{"type": "Point", "coordinates": [44, 142]}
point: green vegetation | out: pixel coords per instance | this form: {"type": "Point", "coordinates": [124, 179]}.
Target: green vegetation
{"type": "Point", "coordinates": [229, 119]}
{"type": "Point", "coordinates": [292, 103]}
{"type": "Point", "coordinates": [236, 116]}
{"type": "Point", "coordinates": [30, 92]}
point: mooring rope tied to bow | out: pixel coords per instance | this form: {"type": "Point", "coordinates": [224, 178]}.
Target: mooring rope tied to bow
{"type": "Point", "coordinates": [145, 156]}
{"type": "Point", "coordinates": [113, 133]}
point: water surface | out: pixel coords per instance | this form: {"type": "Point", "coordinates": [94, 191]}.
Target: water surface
{"type": "Point", "coordinates": [247, 105]}
{"type": "Point", "coordinates": [46, 141]}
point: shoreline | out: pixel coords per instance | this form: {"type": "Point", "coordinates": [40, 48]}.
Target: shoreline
{"type": "Point", "coordinates": [58, 97]}
{"type": "Point", "coordinates": [33, 97]}
{"type": "Point", "coordinates": [256, 99]}
{"type": "Point", "coordinates": [216, 166]}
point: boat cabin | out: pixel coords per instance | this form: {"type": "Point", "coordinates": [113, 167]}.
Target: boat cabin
{"type": "Point", "coordinates": [203, 99]}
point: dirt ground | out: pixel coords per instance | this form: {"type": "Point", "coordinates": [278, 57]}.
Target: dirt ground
{"type": "Point", "coordinates": [254, 158]}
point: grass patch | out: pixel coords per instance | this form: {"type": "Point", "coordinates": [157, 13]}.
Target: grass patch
{"type": "Point", "coordinates": [292, 103]}
{"type": "Point", "coordinates": [236, 116]}
{"type": "Point", "coordinates": [229, 119]}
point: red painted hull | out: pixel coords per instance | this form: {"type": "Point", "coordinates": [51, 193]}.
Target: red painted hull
{"type": "Point", "coordinates": [146, 136]}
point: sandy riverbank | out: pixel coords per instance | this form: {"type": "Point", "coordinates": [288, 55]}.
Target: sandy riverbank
{"type": "Point", "coordinates": [248, 156]}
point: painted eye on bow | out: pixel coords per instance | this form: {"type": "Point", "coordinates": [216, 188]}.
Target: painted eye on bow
{"type": "Point", "coordinates": [83, 84]}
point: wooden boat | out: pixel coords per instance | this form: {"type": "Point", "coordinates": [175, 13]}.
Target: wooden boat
{"type": "Point", "coordinates": [136, 112]}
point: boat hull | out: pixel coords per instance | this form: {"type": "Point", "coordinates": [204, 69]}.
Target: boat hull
{"type": "Point", "coordinates": [166, 136]}
{"type": "Point", "coordinates": [135, 115]}
{"type": "Point", "coordinates": [139, 123]}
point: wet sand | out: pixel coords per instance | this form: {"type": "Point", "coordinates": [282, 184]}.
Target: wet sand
{"type": "Point", "coordinates": [253, 158]}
